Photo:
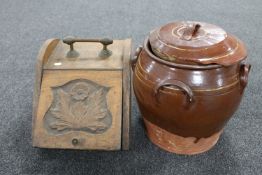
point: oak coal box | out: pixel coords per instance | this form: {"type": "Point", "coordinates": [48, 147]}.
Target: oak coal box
{"type": "Point", "coordinates": [82, 94]}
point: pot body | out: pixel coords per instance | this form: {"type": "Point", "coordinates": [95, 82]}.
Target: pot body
{"type": "Point", "coordinates": [186, 101]}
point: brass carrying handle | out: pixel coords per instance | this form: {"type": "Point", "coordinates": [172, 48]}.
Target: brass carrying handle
{"type": "Point", "coordinates": [104, 53]}
{"type": "Point", "coordinates": [177, 83]}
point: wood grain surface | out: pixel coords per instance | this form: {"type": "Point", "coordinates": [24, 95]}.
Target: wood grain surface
{"type": "Point", "coordinates": [82, 102]}
{"type": "Point", "coordinates": [109, 140]}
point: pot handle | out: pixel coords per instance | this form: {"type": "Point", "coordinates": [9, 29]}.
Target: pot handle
{"type": "Point", "coordinates": [244, 71]}
{"type": "Point", "coordinates": [177, 83]}
{"type": "Point", "coordinates": [135, 57]}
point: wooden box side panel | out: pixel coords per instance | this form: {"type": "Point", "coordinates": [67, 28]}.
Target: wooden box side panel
{"type": "Point", "coordinates": [126, 95]}
{"type": "Point", "coordinates": [43, 55]}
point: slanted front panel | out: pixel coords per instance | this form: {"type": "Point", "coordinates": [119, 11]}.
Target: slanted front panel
{"type": "Point", "coordinates": [79, 109]}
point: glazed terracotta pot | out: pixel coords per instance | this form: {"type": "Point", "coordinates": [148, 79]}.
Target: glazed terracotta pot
{"type": "Point", "coordinates": [189, 78]}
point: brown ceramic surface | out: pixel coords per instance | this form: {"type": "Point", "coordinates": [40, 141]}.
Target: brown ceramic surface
{"type": "Point", "coordinates": [188, 99]}
{"type": "Point", "coordinates": [216, 93]}
{"type": "Point", "coordinates": [177, 144]}
{"type": "Point", "coordinates": [196, 42]}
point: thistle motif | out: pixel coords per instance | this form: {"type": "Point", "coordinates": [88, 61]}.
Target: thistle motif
{"type": "Point", "coordinates": [79, 105]}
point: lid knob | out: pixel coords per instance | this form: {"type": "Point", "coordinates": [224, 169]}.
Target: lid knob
{"type": "Point", "coordinates": [190, 32]}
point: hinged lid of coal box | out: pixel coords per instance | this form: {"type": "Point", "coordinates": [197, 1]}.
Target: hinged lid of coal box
{"type": "Point", "coordinates": [190, 42]}
{"type": "Point", "coordinates": [82, 94]}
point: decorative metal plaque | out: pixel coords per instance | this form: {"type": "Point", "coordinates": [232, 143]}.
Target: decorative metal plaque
{"type": "Point", "coordinates": [79, 105]}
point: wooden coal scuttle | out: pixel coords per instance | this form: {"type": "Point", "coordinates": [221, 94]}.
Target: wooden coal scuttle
{"type": "Point", "coordinates": [82, 94]}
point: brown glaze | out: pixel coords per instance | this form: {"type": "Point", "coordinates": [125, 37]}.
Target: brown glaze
{"type": "Point", "coordinates": [196, 42]}
{"type": "Point", "coordinates": [187, 100]}
{"type": "Point", "coordinates": [177, 144]}
{"type": "Point", "coordinates": [190, 32]}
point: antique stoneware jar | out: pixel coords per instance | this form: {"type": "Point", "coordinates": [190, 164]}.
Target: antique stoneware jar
{"type": "Point", "coordinates": [189, 78]}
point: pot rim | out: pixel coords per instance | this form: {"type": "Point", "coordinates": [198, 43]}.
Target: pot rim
{"type": "Point", "coordinates": [171, 64]}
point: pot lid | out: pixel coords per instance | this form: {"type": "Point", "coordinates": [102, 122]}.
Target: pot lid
{"type": "Point", "coordinates": [196, 42]}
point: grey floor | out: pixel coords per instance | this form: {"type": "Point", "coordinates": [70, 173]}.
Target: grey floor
{"type": "Point", "coordinates": [25, 25]}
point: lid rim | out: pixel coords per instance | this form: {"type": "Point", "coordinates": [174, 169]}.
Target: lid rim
{"type": "Point", "coordinates": [172, 64]}
{"type": "Point", "coordinates": [211, 46]}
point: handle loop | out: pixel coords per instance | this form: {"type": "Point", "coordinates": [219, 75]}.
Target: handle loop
{"type": "Point", "coordinates": [177, 83]}
{"type": "Point", "coordinates": [135, 57]}
{"type": "Point", "coordinates": [244, 71]}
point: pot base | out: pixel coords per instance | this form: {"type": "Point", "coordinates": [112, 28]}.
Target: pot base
{"type": "Point", "coordinates": [177, 144]}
